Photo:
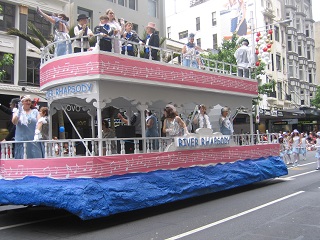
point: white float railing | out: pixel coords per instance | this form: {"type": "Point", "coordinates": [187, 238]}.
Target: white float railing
{"type": "Point", "coordinates": [89, 146]}
{"type": "Point", "coordinates": [164, 55]}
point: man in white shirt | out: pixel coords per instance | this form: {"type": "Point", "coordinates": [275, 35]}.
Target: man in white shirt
{"type": "Point", "coordinates": [244, 60]}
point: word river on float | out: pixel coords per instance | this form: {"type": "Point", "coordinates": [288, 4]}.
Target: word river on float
{"type": "Point", "coordinates": [193, 142]}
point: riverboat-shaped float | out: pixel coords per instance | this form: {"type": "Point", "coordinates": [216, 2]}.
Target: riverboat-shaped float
{"type": "Point", "coordinates": [98, 183]}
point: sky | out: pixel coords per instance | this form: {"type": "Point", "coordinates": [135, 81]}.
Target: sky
{"type": "Point", "coordinates": [315, 8]}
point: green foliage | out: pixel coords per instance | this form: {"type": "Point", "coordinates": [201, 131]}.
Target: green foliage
{"type": "Point", "coordinates": [226, 51]}
{"type": "Point", "coordinates": [7, 60]}
{"type": "Point", "coordinates": [316, 101]}
{"type": "Point", "coordinates": [39, 42]}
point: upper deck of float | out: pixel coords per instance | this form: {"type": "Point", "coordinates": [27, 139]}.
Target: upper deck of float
{"type": "Point", "coordinates": [117, 68]}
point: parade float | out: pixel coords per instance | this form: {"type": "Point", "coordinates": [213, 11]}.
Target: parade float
{"type": "Point", "coordinates": [98, 183]}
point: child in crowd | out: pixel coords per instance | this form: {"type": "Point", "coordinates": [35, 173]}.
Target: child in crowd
{"type": "Point", "coordinates": [131, 36]}
{"type": "Point", "coordinates": [303, 146]}
{"type": "Point", "coordinates": [317, 145]}
{"type": "Point", "coordinates": [42, 127]}
{"type": "Point", "coordinates": [82, 30]}
{"type": "Point", "coordinates": [105, 32]}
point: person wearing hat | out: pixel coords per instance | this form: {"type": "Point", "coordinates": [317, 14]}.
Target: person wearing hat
{"type": "Point", "coordinates": [25, 118]}
{"type": "Point", "coordinates": [244, 59]}
{"type": "Point", "coordinates": [190, 53]}
{"type": "Point", "coordinates": [82, 32]}
{"type": "Point", "coordinates": [226, 127]}
{"type": "Point", "coordinates": [61, 32]}
{"type": "Point", "coordinates": [11, 127]}
{"type": "Point", "coordinates": [152, 40]}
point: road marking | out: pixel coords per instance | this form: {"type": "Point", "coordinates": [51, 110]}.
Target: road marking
{"type": "Point", "coordinates": [298, 175]}
{"type": "Point", "coordinates": [233, 217]}
{"type": "Point", "coordinates": [31, 222]}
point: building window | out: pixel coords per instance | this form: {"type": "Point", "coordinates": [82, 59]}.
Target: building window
{"type": "Point", "coordinates": [152, 8]}
{"type": "Point", "coordinates": [299, 48]}
{"type": "Point", "coordinates": [276, 34]}
{"type": "Point", "coordinates": [33, 70]}
{"type": "Point", "coordinates": [307, 31]}
{"type": "Point", "coordinates": [284, 65]}
{"type": "Point", "coordinates": [8, 77]}
{"type": "Point", "coordinates": [298, 25]}
{"type": "Point", "coordinates": [183, 34]}
{"type": "Point", "coordinates": [198, 23]}
{"type": "Point", "coordinates": [87, 13]}
{"type": "Point", "coordinates": [8, 11]}
{"type": "Point", "coordinates": [40, 23]}
{"type": "Point", "coordinates": [278, 62]}
{"type": "Point", "coordinates": [132, 4]}
{"type": "Point", "coordinates": [289, 43]}
{"type": "Point", "coordinates": [199, 42]}
{"type": "Point", "coordinates": [291, 68]}
{"type": "Point", "coordinates": [214, 18]}
{"type": "Point", "coordinates": [169, 32]}
{"type": "Point", "coordinates": [279, 90]}
{"type": "Point", "coordinates": [310, 76]}
{"type": "Point", "coordinates": [301, 72]}
{"type": "Point", "coordinates": [121, 2]}
{"type": "Point", "coordinates": [308, 52]}
{"type": "Point", "coordinates": [135, 27]}
{"type": "Point", "coordinates": [215, 41]}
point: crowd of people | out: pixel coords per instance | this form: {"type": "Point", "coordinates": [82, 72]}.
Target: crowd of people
{"type": "Point", "coordinates": [295, 145]}
{"type": "Point", "coordinates": [114, 34]}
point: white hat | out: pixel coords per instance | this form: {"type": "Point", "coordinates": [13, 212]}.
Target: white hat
{"type": "Point", "coordinates": [151, 25]}
{"type": "Point", "coordinates": [318, 134]}
{"type": "Point", "coordinates": [295, 131]}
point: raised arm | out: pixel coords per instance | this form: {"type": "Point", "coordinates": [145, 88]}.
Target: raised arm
{"type": "Point", "coordinates": [46, 16]}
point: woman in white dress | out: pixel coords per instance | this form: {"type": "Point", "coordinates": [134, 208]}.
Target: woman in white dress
{"type": "Point", "coordinates": [295, 144]}
{"type": "Point", "coordinates": [117, 29]}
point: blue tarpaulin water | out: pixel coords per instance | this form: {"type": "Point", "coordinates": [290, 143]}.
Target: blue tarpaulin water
{"type": "Point", "coordinates": [101, 197]}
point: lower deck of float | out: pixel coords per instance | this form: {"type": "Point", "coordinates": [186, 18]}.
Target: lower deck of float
{"type": "Point", "coordinates": [94, 187]}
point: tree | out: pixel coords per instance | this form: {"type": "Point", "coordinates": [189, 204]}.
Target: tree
{"type": "Point", "coordinates": [7, 60]}
{"type": "Point", "coordinates": [316, 101]}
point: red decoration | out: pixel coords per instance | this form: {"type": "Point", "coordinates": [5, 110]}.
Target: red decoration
{"type": "Point", "coordinates": [258, 64]}
{"type": "Point", "coordinates": [265, 49]}
{"type": "Point", "coordinates": [257, 51]}
{"type": "Point", "coordinates": [270, 31]}
{"type": "Point", "coordinates": [269, 45]}
{"type": "Point", "coordinates": [257, 39]}
{"type": "Point", "coordinates": [258, 34]}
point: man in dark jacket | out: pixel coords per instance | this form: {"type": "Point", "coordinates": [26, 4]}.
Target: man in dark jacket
{"type": "Point", "coordinates": [151, 40]}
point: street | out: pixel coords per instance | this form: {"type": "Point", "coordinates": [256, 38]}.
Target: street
{"type": "Point", "coordinates": [282, 208]}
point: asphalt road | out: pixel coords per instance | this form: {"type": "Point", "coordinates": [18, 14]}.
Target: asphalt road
{"type": "Point", "coordinates": [282, 208]}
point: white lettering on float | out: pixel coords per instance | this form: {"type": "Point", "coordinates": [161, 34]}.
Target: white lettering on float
{"type": "Point", "coordinates": [70, 90]}
{"type": "Point", "coordinates": [73, 108]}
{"type": "Point", "coordinates": [194, 142]}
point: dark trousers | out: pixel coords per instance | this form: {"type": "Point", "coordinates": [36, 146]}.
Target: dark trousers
{"type": "Point", "coordinates": [105, 45]}
{"type": "Point", "coordinates": [77, 50]}
{"type": "Point", "coordinates": [130, 53]}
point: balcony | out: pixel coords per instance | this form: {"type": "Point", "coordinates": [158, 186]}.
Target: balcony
{"type": "Point", "coordinates": [196, 2]}
{"type": "Point", "coordinates": [272, 97]}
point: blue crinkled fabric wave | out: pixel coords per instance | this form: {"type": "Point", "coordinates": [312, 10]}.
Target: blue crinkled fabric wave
{"type": "Point", "coordinates": [95, 198]}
